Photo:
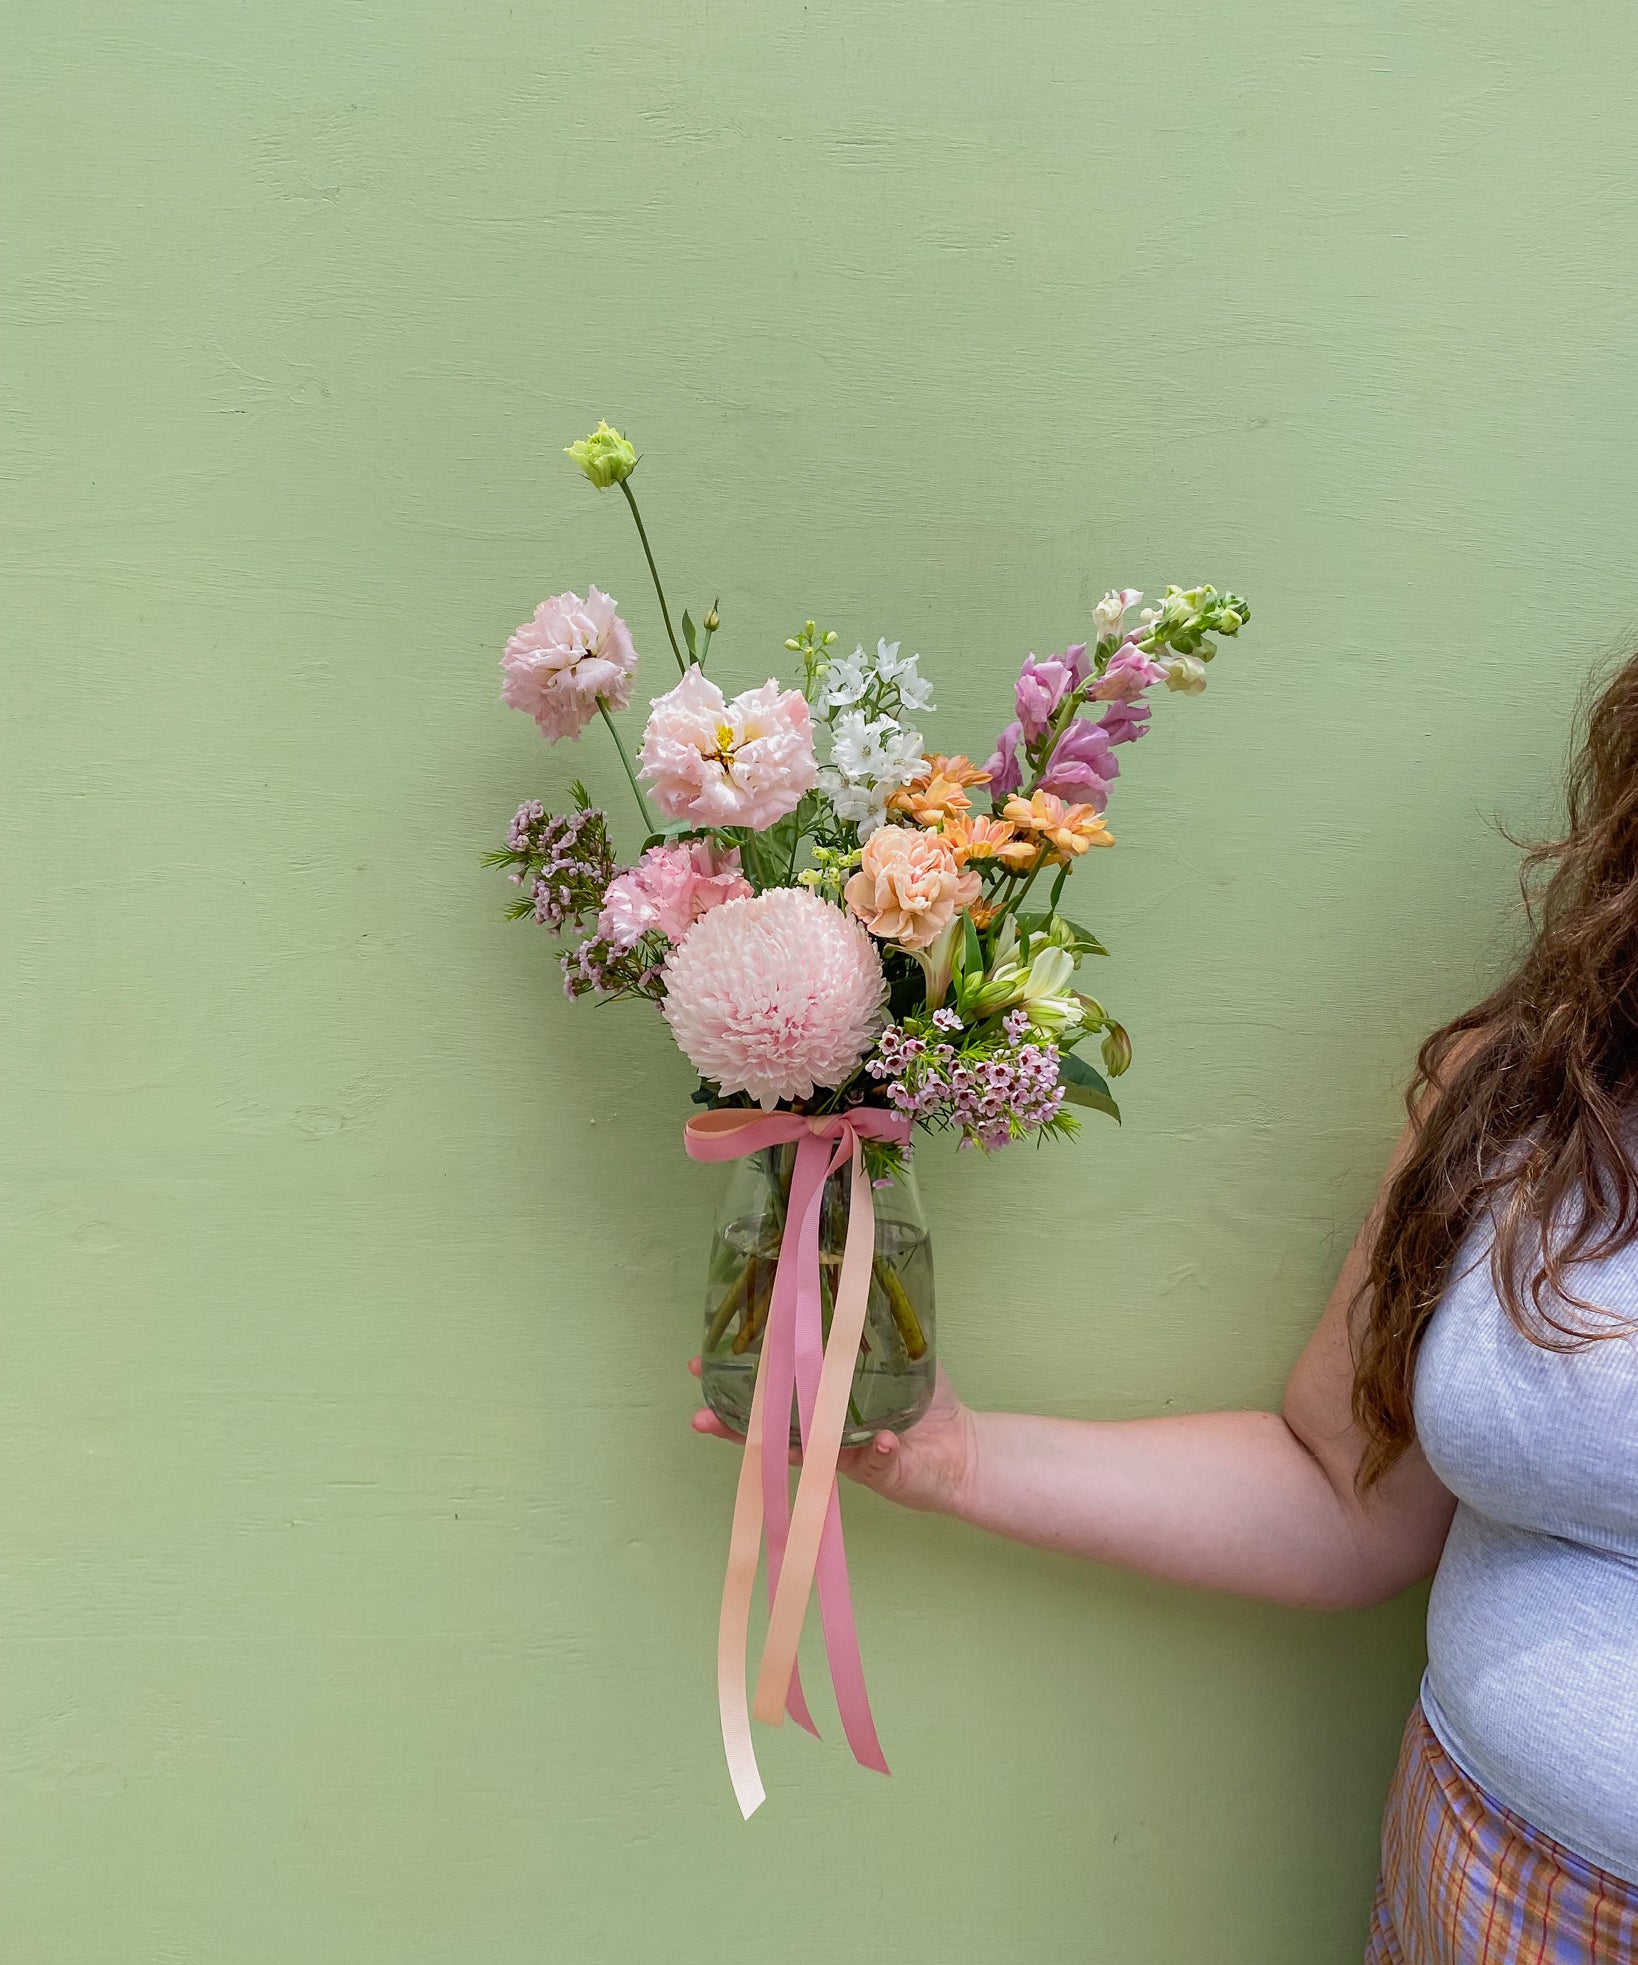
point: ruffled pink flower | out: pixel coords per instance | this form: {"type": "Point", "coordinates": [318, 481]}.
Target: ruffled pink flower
{"type": "Point", "coordinates": [775, 995]}
{"type": "Point", "coordinates": [571, 656]}
{"type": "Point", "coordinates": [667, 891]}
{"type": "Point", "coordinates": [716, 763]}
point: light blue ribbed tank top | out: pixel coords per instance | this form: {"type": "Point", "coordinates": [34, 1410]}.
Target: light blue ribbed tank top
{"type": "Point", "coordinates": [1532, 1679]}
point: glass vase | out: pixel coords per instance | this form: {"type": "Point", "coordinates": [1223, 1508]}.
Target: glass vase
{"type": "Point", "coordinates": [893, 1375]}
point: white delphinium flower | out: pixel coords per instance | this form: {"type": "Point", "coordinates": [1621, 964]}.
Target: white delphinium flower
{"type": "Point", "coordinates": [915, 691]}
{"type": "Point", "coordinates": [870, 758]}
{"type": "Point", "coordinates": [846, 680]}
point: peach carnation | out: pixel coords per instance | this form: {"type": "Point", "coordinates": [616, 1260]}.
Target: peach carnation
{"type": "Point", "coordinates": [572, 655]}
{"type": "Point", "coordinates": [667, 891]}
{"type": "Point", "coordinates": [716, 763]}
{"type": "Point", "coordinates": [775, 995]}
{"type": "Point", "coordinates": [908, 886]}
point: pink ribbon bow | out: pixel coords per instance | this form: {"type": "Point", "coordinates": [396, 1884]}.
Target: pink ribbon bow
{"type": "Point", "coordinates": [804, 1542]}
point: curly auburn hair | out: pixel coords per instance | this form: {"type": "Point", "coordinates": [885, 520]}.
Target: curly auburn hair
{"type": "Point", "coordinates": [1525, 1104]}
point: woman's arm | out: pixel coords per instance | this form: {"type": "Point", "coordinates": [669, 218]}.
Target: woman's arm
{"type": "Point", "coordinates": [1258, 1503]}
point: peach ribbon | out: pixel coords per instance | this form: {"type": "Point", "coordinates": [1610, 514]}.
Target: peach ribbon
{"type": "Point", "coordinates": [805, 1542]}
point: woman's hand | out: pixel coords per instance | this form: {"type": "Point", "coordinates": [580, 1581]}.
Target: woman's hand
{"type": "Point", "coordinates": [932, 1466]}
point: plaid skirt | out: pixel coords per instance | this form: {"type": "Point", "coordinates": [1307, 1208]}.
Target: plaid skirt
{"type": "Point", "coordinates": [1467, 1882]}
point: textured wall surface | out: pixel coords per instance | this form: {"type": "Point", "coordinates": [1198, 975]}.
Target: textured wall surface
{"type": "Point", "coordinates": [359, 1567]}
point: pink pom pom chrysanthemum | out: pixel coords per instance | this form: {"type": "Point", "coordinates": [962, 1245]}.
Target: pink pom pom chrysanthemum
{"type": "Point", "coordinates": [775, 995]}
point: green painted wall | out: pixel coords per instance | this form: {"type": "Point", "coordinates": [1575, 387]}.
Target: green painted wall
{"type": "Point", "coordinates": [359, 1569]}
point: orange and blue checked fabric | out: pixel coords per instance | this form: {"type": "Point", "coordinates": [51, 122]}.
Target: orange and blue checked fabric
{"type": "Point", "coordinates": [1467, 1882]}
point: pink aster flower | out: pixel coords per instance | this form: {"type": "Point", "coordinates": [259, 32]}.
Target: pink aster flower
{"type": "Point", "coordinates": [572, 655]}
{"type": "Point", "coordinates": [667, 891]}
{"type": "Point", "coordinates": [716, 763]}
{"type": "Point", "coordinates": [775, 995]}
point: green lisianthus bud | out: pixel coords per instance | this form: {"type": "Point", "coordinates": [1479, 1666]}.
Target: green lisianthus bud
{"type": "Point", "coordinates": [604, 456]}
{"type": "Point", "coordinates": [713, 621]}
{"type": "Point", "coordinates": [1117, 1049]}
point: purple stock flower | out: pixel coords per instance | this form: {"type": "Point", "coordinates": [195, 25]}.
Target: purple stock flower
{"type": "Point", "coordinates": [1042, 686]}
{"type": "Point", "coordinates": [1080, 768]}
{"type": "Point", "coordinates": [1129, 673]}
{"type": "Point", "coordinates": [1125, 722]}
{"type": "Point", "coordinates": [1006, 772]}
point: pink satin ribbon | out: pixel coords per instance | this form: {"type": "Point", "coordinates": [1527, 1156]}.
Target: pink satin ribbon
{"type": "Point", "coordinates": [805, 1542]}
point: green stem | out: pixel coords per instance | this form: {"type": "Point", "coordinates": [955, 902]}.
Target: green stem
{"type": "Point", "coordinates": [654, 574]}
{"type": "Point", "coordinates": [1012, 903]}
{"type": "Point", "coordinates": [631, 776]}
{"type": "Point", "coordinates": [904, 1311]}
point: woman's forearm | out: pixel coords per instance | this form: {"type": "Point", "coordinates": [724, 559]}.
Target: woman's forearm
{"type": "Point", "coordinates": [1227, 1501]}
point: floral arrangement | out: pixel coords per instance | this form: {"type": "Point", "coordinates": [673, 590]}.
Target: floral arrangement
{"type": "Point", "coordinates": [827, 914]}
{"type": "Point", "coordinates": [850, 937]}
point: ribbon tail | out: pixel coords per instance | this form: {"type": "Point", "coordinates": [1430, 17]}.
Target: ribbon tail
{"type": "Point", "coordinates": [734, 1621]}
{"type": "Point", "coordinates": [814, 1545]}
{"type": "Point", "coordinates": [779, 1363]}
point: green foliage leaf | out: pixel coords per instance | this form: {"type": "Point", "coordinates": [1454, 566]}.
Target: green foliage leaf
{"type": "Point", "coordinates": [688, 632]}
{"type": "Point", "coordinates": [1085, 943]}
{"type": "Point", "coordinates": [672, 829]}
{"type": "Point", "coordinates": [1084, 1086]}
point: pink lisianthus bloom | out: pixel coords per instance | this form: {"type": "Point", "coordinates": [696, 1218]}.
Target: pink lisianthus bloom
{"type": "Point", "coordinates": [667, 891]}
{"type": "Point", "coordinates": [775, 996]}
{"type": "Point", "coordinates": [572, 655]}
{"type": "Point", "coordinates": [1080, 766]}
{"type": "Point", "coordinates": [1042, 686]}
{"type": "Point", "coordinates": [909, 886]}
{"type": "Point", "coordinates": [744, 763]}
{"type": "Point", "coordinates": [1129, 673]}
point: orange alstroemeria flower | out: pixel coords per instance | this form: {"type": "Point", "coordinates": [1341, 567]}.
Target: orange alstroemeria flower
{"type": "Point", "coordinates": [984, 838]}
{"type": "Point", "coordinates": [939, 792]}
{"type": "Point", "coordinates": [1068, 829]}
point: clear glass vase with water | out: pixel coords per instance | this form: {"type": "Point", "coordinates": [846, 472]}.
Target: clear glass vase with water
{"type": "Point", "coordinates": [893, 1375]}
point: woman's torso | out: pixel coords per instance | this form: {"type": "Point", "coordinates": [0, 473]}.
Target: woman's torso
{"type": "Point", "coordinates": [1532, 1680]}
